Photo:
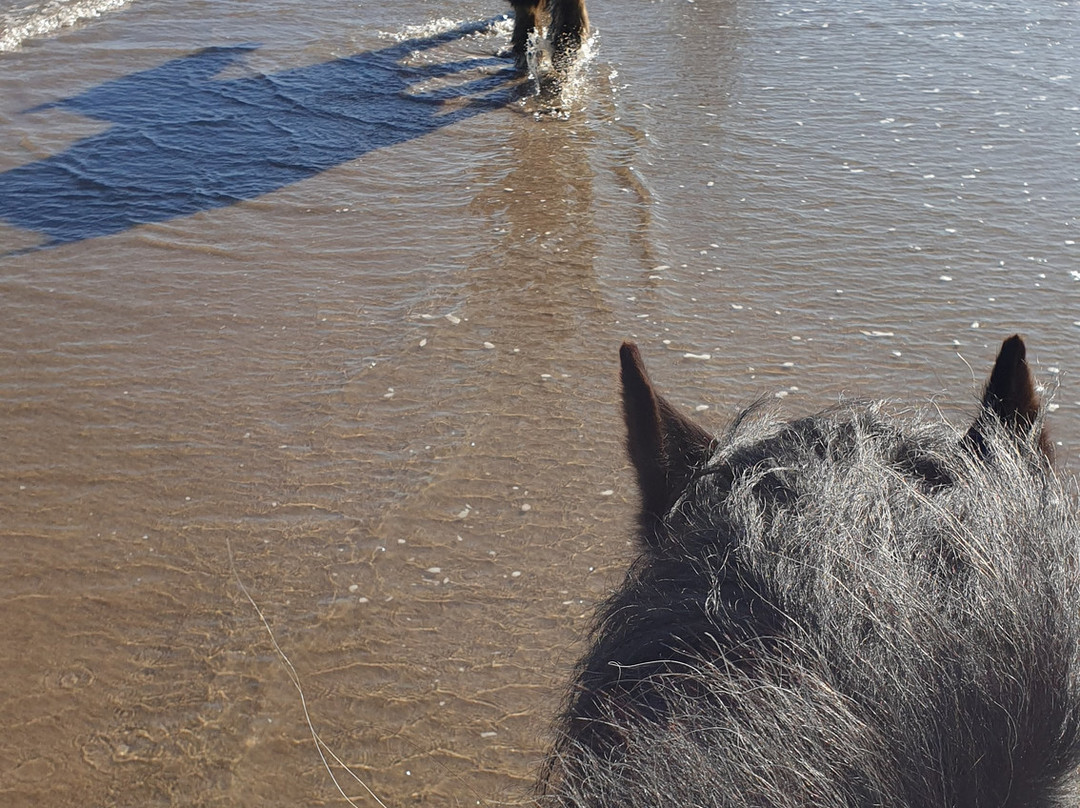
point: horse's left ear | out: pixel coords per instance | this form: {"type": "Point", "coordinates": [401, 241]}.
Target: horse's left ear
{"type": "Point", "coordinates": [1010, 398]}
{"type": "Point", "coordinates": [664, 445]}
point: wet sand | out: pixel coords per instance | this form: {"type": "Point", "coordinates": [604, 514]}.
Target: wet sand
{"type": "Point", "coordinates": [390, 386]}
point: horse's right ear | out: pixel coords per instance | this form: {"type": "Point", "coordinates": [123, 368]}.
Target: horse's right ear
{"type": "Point", "coordinates": [664, 445]}
{"type": "Point", "coordinates": [1010, 399]}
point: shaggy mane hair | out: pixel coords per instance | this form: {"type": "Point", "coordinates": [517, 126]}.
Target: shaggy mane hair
{"type": "Point", "coordinates": [850, 609]}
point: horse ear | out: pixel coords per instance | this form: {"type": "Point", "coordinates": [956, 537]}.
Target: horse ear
{"type": "Point", "coordinates": [1010, 399]}
{"type": "Point", "coordinates": [664, 445]}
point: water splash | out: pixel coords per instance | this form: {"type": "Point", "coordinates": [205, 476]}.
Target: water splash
{"type": "Point", "coordinates": [558, 93]}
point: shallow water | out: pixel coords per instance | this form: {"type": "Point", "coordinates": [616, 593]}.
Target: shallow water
{"type": "Point", "coordinates": [351, 308]}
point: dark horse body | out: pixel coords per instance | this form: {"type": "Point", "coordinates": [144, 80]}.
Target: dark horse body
{"type": "Point", "coordinates": [850, 609]}
{"type": "Point", "coordinates": [568, 26]}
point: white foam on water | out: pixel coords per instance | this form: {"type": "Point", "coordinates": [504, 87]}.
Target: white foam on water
{"type": "Point", "coordinates": [17, 25]}
{"type": "Point", "coordinates": [423, 31]}
{"type": "Point", "coordinates": [443, 25]}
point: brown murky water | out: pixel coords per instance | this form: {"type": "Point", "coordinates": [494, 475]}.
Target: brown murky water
{"type": "Point", "coordinates": [388, 383]}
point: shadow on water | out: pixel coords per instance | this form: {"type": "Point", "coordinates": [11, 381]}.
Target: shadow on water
{"type": "Point", "coordinates": [185, 141]}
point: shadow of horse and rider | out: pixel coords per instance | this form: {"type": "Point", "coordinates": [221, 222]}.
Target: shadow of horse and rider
{"type": "Point", "coordinates": [184, 140]}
